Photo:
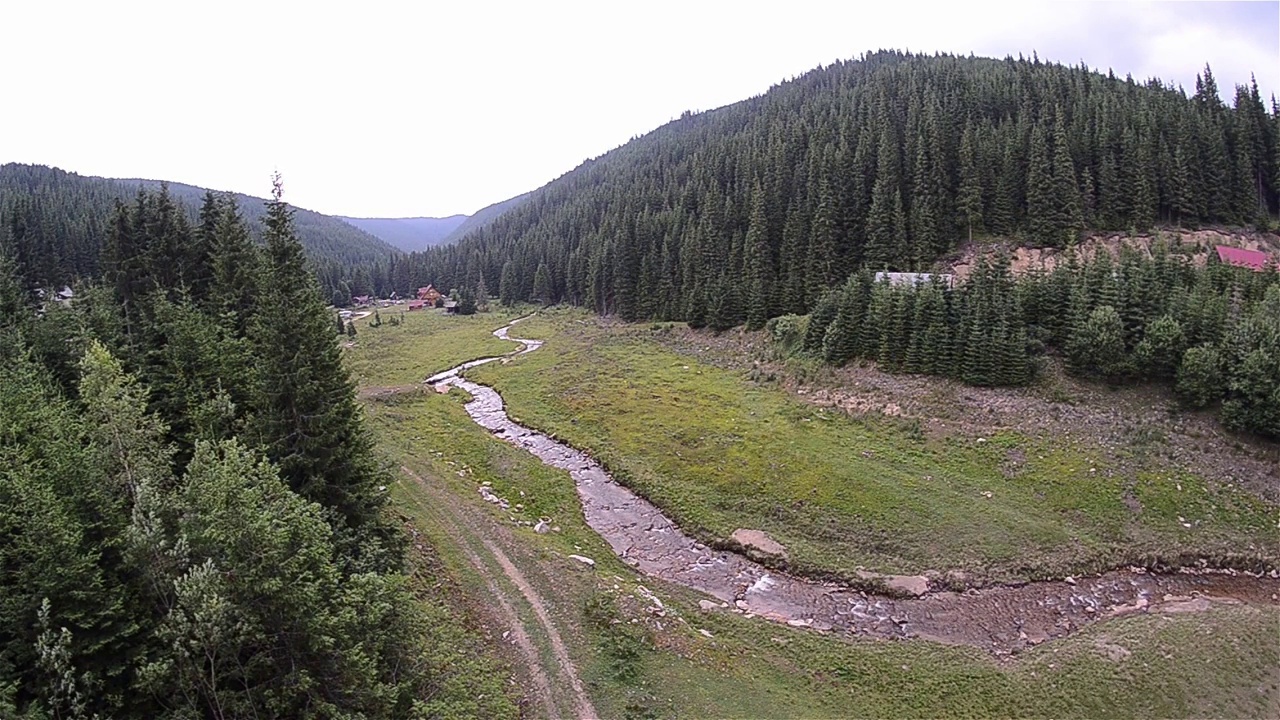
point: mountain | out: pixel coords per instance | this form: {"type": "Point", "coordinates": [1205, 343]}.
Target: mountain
{"type": "Point", "coordinates": [483, 217]}
{"type": "Point", "coordinates": [891, 161]}
{"type": "Point", "coordinates": [59, 221]}
{"type": "Point", "coordinates": [323, 236]}
{"type": "Point", "coordinates": [408, 234]}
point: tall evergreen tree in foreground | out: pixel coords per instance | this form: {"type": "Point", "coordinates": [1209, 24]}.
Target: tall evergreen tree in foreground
{"type": "Point", "coordinates": [304, 413]}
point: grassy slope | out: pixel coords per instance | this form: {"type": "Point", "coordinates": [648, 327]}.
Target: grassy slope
{"type": "Point", "coordinates": [718, 452]}
{"type": "Point", "coordinates": [1209, 664]}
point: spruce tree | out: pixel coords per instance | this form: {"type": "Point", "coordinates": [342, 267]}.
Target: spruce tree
{"type": "Point", "coordinates": [839, 343]}
{"type": "Point", "coordinates": [819, 320]}
{"type": "Point", "coordinates": [305, 415]}
{"type": "Point", "coordinates": [236, 265]}
{"type": "Point", "coordinates": [969, 193]}
{"type": "Point", "coordinates": [542, 285]}
{"type": "Point", "coordinates": [822, 243]}
{"type": "Point", "coordinates": [1068, 217]}
{"type": "Point", "coordinates": [1042, 226]}
{"type": "Point", "coordinates": [759, 266]}
{"type": "Point", "coordinates": [509, 284]}
{"type": "Point", "coordinates": [885, 219]}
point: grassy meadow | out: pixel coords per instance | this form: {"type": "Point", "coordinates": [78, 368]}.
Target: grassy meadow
{"type": "Point", "coordinates": [718, 452]}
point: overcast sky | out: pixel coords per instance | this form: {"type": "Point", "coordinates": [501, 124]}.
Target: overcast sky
{"type": "Point", "coordinates": [435, 108]}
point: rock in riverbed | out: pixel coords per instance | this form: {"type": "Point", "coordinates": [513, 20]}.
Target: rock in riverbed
{"type": "Point", "coordinates": [760, 542]}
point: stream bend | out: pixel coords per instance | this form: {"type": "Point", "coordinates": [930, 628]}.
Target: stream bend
{"type": "Point", "coordinates": [1001, 619]}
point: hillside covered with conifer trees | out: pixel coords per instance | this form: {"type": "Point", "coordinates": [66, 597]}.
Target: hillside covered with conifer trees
{"type": "Point", "coordinates": [59, 221]}
{"type": "Point", "coordinates": [890, 161]}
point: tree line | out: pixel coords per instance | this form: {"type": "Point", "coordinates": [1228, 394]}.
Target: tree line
{"type": "Point", "coordinates": [1211, 332]}
{"type": "Point", "coordinates": [57, 223]}
{"type": "Point", "coordinates": [890, 162]}
{"type": "Point", "coordinates": [192, 511]}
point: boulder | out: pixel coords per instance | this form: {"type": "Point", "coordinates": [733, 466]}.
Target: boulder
{"type": "Point", "coordinates": [760, 542]}
{"type": "Point", "coordinates": [911, 585]}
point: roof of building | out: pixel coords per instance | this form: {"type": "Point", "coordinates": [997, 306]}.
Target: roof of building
{"type": "Point", "coordinates": [1252, 259]}
{"type": "Point", "coordinates": [906, 278]}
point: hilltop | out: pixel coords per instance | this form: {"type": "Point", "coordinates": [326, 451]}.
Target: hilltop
{"type": "Point", "coordinates": [891, 161]}
{"type": "Point", "coordinates": [411, 233]}
{"type": "Point", "coordinates": [60, 219]}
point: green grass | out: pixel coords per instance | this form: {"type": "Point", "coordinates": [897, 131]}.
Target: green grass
{"type": "Point", "coordinates": [1216, 664]}
{"type": "Point", "coordinates": [1212, 664]}
{"type": "Point", "coordinates": [424, 344]}
{"type": "Point", "coordinates": [718, 452]}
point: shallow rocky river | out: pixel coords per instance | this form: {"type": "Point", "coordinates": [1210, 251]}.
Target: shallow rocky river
{"type": "Point", "coordinates": [1001, 619]}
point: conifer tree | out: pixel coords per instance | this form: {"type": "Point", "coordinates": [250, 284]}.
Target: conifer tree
{"type": "Point", "coordinates": [1068, 217]}
{"type": "Point", "coordinates": [822, 243]}
{"type": "Point", "coordinates": [508, 285]}
{"type": "Point", "coordinates": [1041, 215]}
{"type": "Point", "coordinates": [305, 414]}
{"type": "Point", "coordinates": [236, 264]}
{"type": "Point", "coordinates": [840, 341]}
{"type": "Point", "coordinates": [885, 219]}
{"type": "Point", "coordinates": [759, 272]}
{"type": "Point", "coordinates": [969, 193]}
{"type": "Point", "coordinates": [820, 319]}
{"type": "Point", "coordinates": [542, 285]}
{"type": "Point", "coordinates": [1199, 382]}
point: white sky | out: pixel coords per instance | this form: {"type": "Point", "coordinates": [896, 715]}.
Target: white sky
{"type": "Point", "coordinates": [394, 109]}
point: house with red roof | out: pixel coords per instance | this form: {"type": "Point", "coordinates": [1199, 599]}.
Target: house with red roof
{"type": "Point", "coordinates": [1252, 259]}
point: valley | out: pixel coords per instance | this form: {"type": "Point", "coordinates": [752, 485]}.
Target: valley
{"type": "Point", "coordinates": [918, 384]}
{"type": "Point", "coordinates": [615, 366]}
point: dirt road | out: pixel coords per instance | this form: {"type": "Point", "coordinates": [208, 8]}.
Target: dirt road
{"type": "Point", "coordinates": [556, 685]}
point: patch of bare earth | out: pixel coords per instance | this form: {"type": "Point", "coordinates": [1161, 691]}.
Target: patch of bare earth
{"type": "Point", "coordinates": [1195, 245]}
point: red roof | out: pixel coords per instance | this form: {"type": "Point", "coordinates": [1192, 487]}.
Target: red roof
{"type": "Point", "coordinates": [1251, 259]}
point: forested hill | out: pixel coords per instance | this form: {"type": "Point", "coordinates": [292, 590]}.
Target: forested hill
{"type": "Point", "coordinates": [408, 234]}
{"type": "Point", "coordinates": [59, 223]}
{"type": "Point", "coordinates": [483, 217]}
{"type": "Point", "coordinates": [890, 161]}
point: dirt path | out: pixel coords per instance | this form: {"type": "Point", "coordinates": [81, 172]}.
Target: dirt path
{"type": "Point", "coordinates": [450, 513]}
{"type": "Point", "coordinates": [1000, 619]}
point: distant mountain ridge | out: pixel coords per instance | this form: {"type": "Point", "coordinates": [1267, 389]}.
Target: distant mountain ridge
{"type": "Point", "coordinates": [409, 234]}
{"type": "Point", "coordinates": [59, 221]}
{"type": "Point", "coordinates": [484, 216]}
{"type": "Point", "coordinates": [324, 236]}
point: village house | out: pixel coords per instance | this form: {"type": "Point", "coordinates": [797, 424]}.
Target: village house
{"type": "Point", "coordinates": [913, 279]}
{"type": "Point", "coordinates": [417, 304]}
{"type": "Point", "coordinates": [429, 294]}
{"type": "Point", "coordinates": [360, 300]}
